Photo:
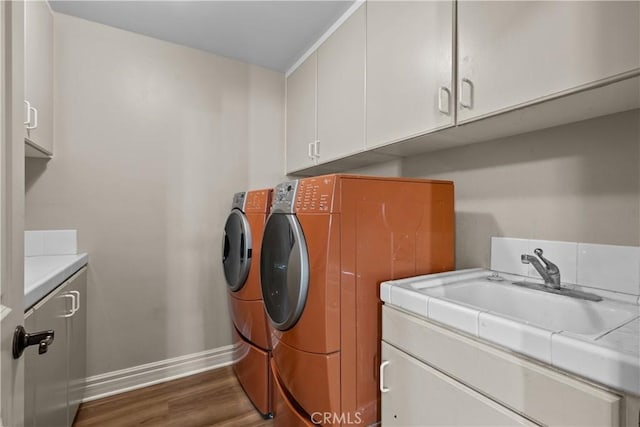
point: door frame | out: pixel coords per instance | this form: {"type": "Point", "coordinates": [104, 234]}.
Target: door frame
{"type": "Point", "coordinates": [12, 187]}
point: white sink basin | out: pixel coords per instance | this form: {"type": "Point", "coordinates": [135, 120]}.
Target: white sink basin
{"type": "Point", "coordinates": [597, 340]}
{"type": "Point", "coordinates": [545, 310]}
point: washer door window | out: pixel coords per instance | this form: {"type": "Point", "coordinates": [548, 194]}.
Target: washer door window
{"type": "Point", "coordinates": [284, 270]}
{"type": "Point", "coordinates": [236, 250]}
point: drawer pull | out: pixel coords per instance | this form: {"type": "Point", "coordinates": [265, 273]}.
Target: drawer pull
{"type": "Point", "coordinates": [383, 389]}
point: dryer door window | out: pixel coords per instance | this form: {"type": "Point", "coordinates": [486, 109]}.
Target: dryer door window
{"type": "Point", "coordinates": [284, 270]}
{"type": "Point", "coordinates": [236, 250]}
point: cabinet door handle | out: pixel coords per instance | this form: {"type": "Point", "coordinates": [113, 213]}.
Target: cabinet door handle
{"type": "Point", "coordinates": [35, 118]}
{"type": "Point", "coordinates": [442, 105]}
{"type": "Point", "coordinates": [76, 300]}
{"type": "Point", "coordinates": [316, 149]}
{"type": "Point", "coordinates": [310, 150]}
{"type": "Point", "coordinates": [73, 305]}
{"type": "Point", "coordinates": [28, 121]}
{"type": "Point", "coordinates": [466, 102]}
{"type": "Point", "coordinates": [383, 389]}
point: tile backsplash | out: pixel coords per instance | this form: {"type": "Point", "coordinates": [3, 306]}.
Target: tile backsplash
{"type": "Point", "coordinates": [607, 267]}
{"type": "Point", "coordinates": [50, 242]}
{"type": "Point", "coordinates": [598, 264]}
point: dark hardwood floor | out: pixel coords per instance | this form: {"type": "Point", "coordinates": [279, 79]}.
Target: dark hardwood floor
{"type": "Point", "coordinates": [213, 398]}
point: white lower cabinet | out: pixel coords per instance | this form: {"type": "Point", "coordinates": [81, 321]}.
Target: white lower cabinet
{"type": "Point", "coordinates": [54, 381]}
{"type": "Point", "coordinates": [77, 345]}
{"type": "Point", "coordinates": [433, 376]}
{"type": "Point", "coordinates": [415, 394]}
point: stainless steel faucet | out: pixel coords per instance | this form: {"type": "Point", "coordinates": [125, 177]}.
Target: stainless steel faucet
{"type": "Point", "coordinates": [551, 275]}
{"type": "Point", "coordinates": [550, 272]}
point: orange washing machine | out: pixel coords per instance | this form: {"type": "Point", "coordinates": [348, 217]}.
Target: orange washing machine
{"type": "Point", "coordinates": [241, 261]}
{"type": "Point", "coordinates": [328, 244]}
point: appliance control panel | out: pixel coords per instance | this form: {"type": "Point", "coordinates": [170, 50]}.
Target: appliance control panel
{"type": "Point", "coordinates": [284, 195]}
{"type": "Point", "coordinates": [315, 195]}
{"type": "Point", "coordinates": [257, 201]}
{"type": "Point", "coordinates": [238, 200]}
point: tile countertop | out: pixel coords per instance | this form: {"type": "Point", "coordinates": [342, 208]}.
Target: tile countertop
{"type": "Point", "coordinates": [611, 358]}
{"type": "Point", "coordinates": [42, 274]}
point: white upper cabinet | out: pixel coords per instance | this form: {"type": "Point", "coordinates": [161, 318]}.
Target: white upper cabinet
{"type": "Point", "coordinates": [341, 74]}
{"type": "Point", "coordinates": [389, 82]}
{"type": "Point", "coordinates": [514, 53]}
{"type": "Point", "coordinates": [38, 79]}
{"type": "Point", "coordinates": [302, 115]}
{"type": "Point", "coordinates": [409, 69]}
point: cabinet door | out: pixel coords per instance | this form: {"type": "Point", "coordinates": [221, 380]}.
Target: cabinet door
{"type": "Point", "coordinates": [30, 376]}
{"type": "Point", "coordinates": [409, 69]}
{"type": "Point", "coordinates": [419, 395]}
{"type": "Point", "coordinates": [77, 335]}
{"type": "Point", "coordinates": [301, 114]}
{"type": "Point", "coordinates": [513, 53]}
{"type": "Point", "coordinates": [51, 367]}
{"type": "Point", "coordinates": [341, 64]}
{"type": "Point", "coordinates": [38, 69]}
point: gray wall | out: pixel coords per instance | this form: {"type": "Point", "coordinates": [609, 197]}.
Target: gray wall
{"type": "Point", "coordinates": [578, 182]}
{"type": "Point", "coordinates": [151, 141]}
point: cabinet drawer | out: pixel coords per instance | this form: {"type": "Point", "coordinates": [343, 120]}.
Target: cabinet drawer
{"type": "Point", "coordinates": [547, 396]}
{"type": "Point", "coordinates": [420, 395]}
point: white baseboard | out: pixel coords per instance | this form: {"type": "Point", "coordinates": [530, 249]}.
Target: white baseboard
{"type": "Point", "coordinates": [104, 385]}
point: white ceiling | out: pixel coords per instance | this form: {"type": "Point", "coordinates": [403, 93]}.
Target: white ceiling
{"type": "Point", "coordinates": [270, 33]}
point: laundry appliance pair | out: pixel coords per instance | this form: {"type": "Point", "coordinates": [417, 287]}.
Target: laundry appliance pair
{"type": "Point", "coordinates": [327, 244]}
{"type": "Point", "coordinates": [242, 238]}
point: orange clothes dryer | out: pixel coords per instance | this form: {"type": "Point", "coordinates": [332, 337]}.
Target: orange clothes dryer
{"type": "Point", "coordinates": [241, 261]}
{"type": "Point", "coordinates": [328, 244]}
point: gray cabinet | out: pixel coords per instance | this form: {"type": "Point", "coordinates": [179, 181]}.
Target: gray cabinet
{"type": "Point", "coordinates": [341, 64]}
{"type": "Point", "coordinates": [326, 99]}
{"type": "Point", "coordinates": [428, 370]}
{"type": "Point", "coordinates": [77, 335]}
{"type": "Point", "coordinates": [54, 381]}
{"type": "Point", "coordinates": [514, 53]}
{"type": "Point", "coordinates": [30, 361]}
{"type": "Point", "coordinates": [435, 69]}
{"type": "Point", "coordinates": [413, 393]}
{"type": "Point", "coordinates": [38, 78]}
{"type": "Point", "coordinates": [301, 115]}
{"type": "Point", "coordinates": [409, 69]}
{"type": "Point", "coordinates": [51, 373]}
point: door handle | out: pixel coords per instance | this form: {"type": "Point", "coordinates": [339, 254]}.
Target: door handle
{"type": "Point", "coordinates": [28, 121]}
{"type": "Point", "coordinates": [22, 339]}
{"type": "Point", "coordinates": [443, 106]}
{"type": "Point", "coordinates": [316, 149]}
{"type": "Point", "coordinates": [383, 389]}
{"type": "Point", "coordinates": [35, 118]}
{"type": "Point", "coordinates": [76, 300]}
{"type": "Point", "coordinates": [73, 304]}
{"type": "Point", "coordinates": [310, 150]}
{"type": "Point", "coordinates": [469, 84]}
